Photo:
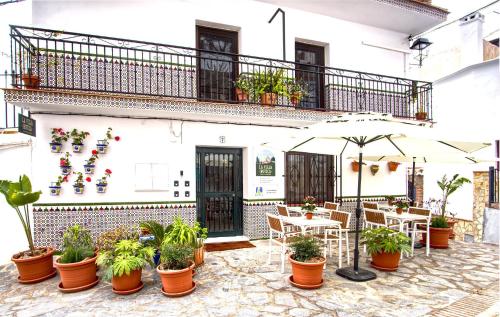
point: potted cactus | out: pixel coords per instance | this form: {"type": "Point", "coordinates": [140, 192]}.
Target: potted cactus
{"type": "Point", "coordinates": [102, 183]}
{"type": "Point", "coordinates": [385, 246]}
{"type": "Point", "coordinates": [65, 164]}
{"type": "Point", "coordinates": [307, 263]}
{"type": "Point", "coordinates": [77, 139]}
{"type": "Point", "coordinates": [58, 136]}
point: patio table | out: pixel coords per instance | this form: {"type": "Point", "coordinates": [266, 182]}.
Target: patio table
{"type": "Point", "coordinates": [407, 217]}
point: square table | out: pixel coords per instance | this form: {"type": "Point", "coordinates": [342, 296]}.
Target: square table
{"type": "Point", "coordinates": [407, 217]}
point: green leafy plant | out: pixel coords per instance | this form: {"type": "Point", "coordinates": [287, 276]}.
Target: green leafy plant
{"type": "Point", "coordinates": [64, 160]}
{"type": "Point", "coordinates": [309, 204]}
{"type": "Point", "coordinates": [58, 135]}
{"type": "Point", "coordinates": [157, 230]}
{"type": "Point", "coordinates": [183, 233]}
{"type": "Point", "coordinates": [270, 81]}
{"type": "Point", "coordinates": [108, 239]}
{"type": "Point", "coordinates": [20, 194]}
{"type": "Point", "coordinates": [61, 179]}
{"type": "Point", "coordinates": [78, 136]}
{"type": "Point", "coordinates": [77, 245]}
{"type": "Point", "coordinates": [385, 240]}
{"type": "Point", "coordinates": [296, 88]}
{"type": "Point", "coordinates": [439, 222]}
{"type": "Point", "coordinates": [127, 256]}
{"type": "Point", "coordinates": [175, 256]}
{"type": "Point", "coordinates": [448, 187]}
{"type": "Point", "coordinates": [401, 204]}
{"type": "Point", "coordinates": [79, 179]}
{"type": "Point", "coordinates": [305, 248]}
{"type": "Point", "coordinates": [244, 83]}
{"type": "Point", "coordinates": [389, 197]}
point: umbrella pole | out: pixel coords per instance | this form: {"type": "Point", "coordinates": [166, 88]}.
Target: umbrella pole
{"type": "Point", "coordinates": [413, 193]}
{"type": "Point", "coordinates": [355, 273]}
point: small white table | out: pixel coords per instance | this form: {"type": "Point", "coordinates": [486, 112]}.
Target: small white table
{"type": "Point", "coordinates": [319, 210]}
{"type": "Point", "coordinates": [407, 217]}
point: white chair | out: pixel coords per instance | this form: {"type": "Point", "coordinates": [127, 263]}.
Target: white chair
{"type": "Point", "coordinates": [335, 234]}
{"type": "Point", "coordinates": [375, 219]}
{"type": "Point", "coordinates": [284, 212]}
{"type": "Point", "coordinates": [370, 205]}
{"type": "Point", "coordinates": [276, 226]}
{"type": "Point", "coordinates": [415, 230]}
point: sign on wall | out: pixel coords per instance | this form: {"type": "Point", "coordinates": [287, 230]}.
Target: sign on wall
{"type": "Point", "coordinates": [27, 125]}
{"type": "Point", "coordinates": [265, 163]}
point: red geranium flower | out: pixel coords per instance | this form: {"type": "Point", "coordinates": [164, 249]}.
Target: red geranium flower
{"type": "Point", "coordinates": [65, 178]}
{"type": "Point", "coordinates": [117, 138]}
{"type": "Point", "coordinates": [61, 163]}
{"type": "Point", "coordinates": [108, 171]}
{"type": "Point", "coordinates": [88, 179]}
{"type": "Point", "coordinates": [94, 152]}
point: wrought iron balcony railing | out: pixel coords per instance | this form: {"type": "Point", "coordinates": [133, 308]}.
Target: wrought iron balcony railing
{"type": "Point", "coordinates": [84, 62]}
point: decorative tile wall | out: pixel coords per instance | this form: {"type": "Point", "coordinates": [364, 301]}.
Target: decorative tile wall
{"type": "Point", "coordinates": [254, 218]}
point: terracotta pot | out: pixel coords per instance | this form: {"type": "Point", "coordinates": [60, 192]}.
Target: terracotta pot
{"type": "Point", "coordinates": [355, 166]}
{"type": "Point", "coordinates": [268, 99]}
{"type": "Point", "coordinates": [386, 261]}
{"type": "Point", "coordinates": [390, 202]}
{"type": "Point", "coordinates": [199, 256]}
{"type": "Point", "coordinates": [438, 239]}
{"type": "Point", "coordinates": [393, 166]}
{"type": "Point", "coordinates": [295, 98]}
{"type": "Point", "coordinates": [241, 95]}
{"type": "Point", "coordinates": [35, 269]}
{"type": "Point", "coordinates": [422, 116]}
{"type": "Point", "coordinates": [127, 282]}
{"type": "Point", "coordinates": [399, 211]}
{"type": "Point", "coordinates": [77, 275]}
{"type": "Point", "coordinates": [309, 215]}
{"type": "Point", "coordinates": [176, 281]}
{"type": "Point", "coordinates": [31, 81]}
{"type": "Point", "coordinates": [451, 225]}
{"type": "Point", "coordinates": [374, 169]}
{"type": "Point", "coordinates": [307, 274]}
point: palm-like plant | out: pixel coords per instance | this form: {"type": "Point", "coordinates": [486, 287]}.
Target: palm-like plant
{"type": "Point", "coordinates": [20, 194]}
{"type": "Point", "coordinates": [448, 187]}
{"type": "Point", "coordinates": [157, 230]}
{"type": "Point", "coordinates": [183, 233]}
{"type": "Point", "coordinates": [127, 256]}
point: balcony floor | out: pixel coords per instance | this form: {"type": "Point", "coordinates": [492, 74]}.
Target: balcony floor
{"type": "Point", "coordinates": [462, 279]}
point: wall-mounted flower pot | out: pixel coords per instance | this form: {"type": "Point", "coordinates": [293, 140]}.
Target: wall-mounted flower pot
{"type": "Point", "coordinates": [55, 190]}
{"type": "Point", "coordinates": [66, 169]}
{"type": "Point", "coordinates": [355, 166]}
{"type": "Point", "coordinates": [79, 189]}
{"type": "Point", "coordinates": [386, 261]}
{"type": "Point", "coordinates": [393, 166]}
{"type": "Point", "coordinates": [374, 169]}
{"type": "Point", "coordinates": [77, 148]}
{"type": "Point", "coordinates": [101, 188]}
{"type": "Point", "coordinates": [55, 147]}
{"type": "Point", "coordinates": [241, 95]}
{"type": "Point", "coordinates": [31, 81]}
{"type": "Point", "coordinates": [268, 99]}
{"type": "Point", "coordinates": [102, 146]}
{"type": "Point", "coordinates": [89, 169]}
{"type": "Point", "coordinates": [421, 116]}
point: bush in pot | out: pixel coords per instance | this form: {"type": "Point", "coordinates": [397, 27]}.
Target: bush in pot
{"type": "Point", "coordinates": [77, 263]}
{"type": "Point", "coordinates": [307, 263]}
{"type": "Point", "coordinates": [385, 246]}
{"type": "Point", "coordinates": [401, 205]}
{"type": "Point", "coordinates": [183, 233]}
{"type": "Point", "coordinates": [34, 265]}
{"type": "Point", "coordinates": [175, 269]}
{"type": "Point", "coordinates": [123, 265]}
{"type": "Point", "coordinates": [108, 239]}
{"type": "Point", "coordinates": [243, 86]}
{"type": "Point", "coordinates": [77, 139]}
{"type": "Point", "coordinates": [269, 85]}
{"type": "Point", "coordinates": [157, 233]}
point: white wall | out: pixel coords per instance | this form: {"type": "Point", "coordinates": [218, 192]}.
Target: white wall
{"type": "Point", "coordinates": [174, 22]}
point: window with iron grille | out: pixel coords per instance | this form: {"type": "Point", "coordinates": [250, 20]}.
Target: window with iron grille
{"type": "Point", "coordinates": [309, 174]}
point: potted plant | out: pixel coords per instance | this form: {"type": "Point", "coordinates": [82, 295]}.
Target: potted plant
{"type": "Point", "coordinates": [108, 239]}
{"type": "Point", "coordinates": [102, 145]}
{"type": "Point", "coordinates": [78, 185]}
{"type": "Point", "coordinates": [89, 166]}
{"type": "Point", "coordinates": [242, 87]}
{"type": "Point", "coordinates": [102, 183]}
{"type": "Point", "coordinates": [401, 205]}
{"type": "Point", "coordinates": [355, 166]}
{"type": "Point", "coordinates": [31, 80]}
{"type": "Point", "coordinates": [307, 263]}
{"type": "Point", "coordinates": [183, 233]}
{"type": "Point", "coordinates": [439, 229]}
{"type": "Point", "coordinates": [58, 136]}
{"type": "Point", "coordinates": [77, 139]}
{"type": "Point", "coordinates": [309, 206]}
{"type": "Point", "coordinates": [176, 270]}
{"type": "Point", "coordinates": [123, 265]}
{"type": "Point", "coordinates": [390, 199]}
{"type": "Point", "coordinates": [269, 85]}
{"type": "Point", "coordinates": [296, 91]}
{"type": "Point", "coordinates": [385, 246]}
{"type": "Point", "coordinates": [393, 166]}
{"type": "Point", "coordinates": [55, 187]}
{"type": "Point", "coordinates": [65, 164]}
{"type": "Point", "coordinates": [156, 233]}
{"type": "Point", "coordinates": [374, 169]}
{"type": "Point", "coordinates": [34, 265]}
{"type": "Point", "coordinates": [77, 263]}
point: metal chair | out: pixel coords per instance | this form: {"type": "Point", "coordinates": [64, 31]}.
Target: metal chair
{"type": "Point", "coordinates": [334, 234]}
{"type": "Point", "coordinates": [370, 205]}
{"type": "Point", "coordinates": [414, 230]}
{"type": "Point", "coordinates": [331, 206]}
{"type": "Point", "coordinates": [276, 226]}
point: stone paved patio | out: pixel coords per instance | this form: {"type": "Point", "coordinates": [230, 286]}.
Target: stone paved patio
{"type": "Point", "coordinates": [240, 283]}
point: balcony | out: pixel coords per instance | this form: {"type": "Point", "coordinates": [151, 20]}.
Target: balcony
{"type": "Point", "coordinates": [66, 61]}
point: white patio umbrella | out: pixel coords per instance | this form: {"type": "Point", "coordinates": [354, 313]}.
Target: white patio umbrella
{"type": "Point", "coordinates": [375, 134]}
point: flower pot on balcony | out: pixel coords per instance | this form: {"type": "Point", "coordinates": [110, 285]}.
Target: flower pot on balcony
{"type": "Point", "coordinates": [422, 116]}
{"type": "Point", "coordinates": [77, 148]}
{"type": "Point", "coordinates": [268, 99]}
{"type": "Point", "coordinates": [295, 98]}
{"type": "Point", "coordinates": [393, 166]}
{"type": "Point", "coordinates": [89, 169]}
{"type": "Point", "coordinates": [31, 81]}
{"type": "Point", "coordinates": [55, 147]}
{"type": "Point", "coordinates": [66, 169]}
{"type": "Point", "coordinates": [54, 189]}
{"type": "Point", "coordinates": [241, 95]}
{"type": "Point", "coordinates": [79, 189]}
{"type": "Point", "coordinates": [102, 146]}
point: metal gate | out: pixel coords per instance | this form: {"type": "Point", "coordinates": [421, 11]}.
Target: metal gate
{"type": "Point", "coordinates": [219, 190]}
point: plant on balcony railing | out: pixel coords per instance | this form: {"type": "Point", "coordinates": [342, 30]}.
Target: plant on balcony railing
{"type": "Point", "coordinates": [296, 90]}
{"type": "Point", "coordinates": [269, 85]}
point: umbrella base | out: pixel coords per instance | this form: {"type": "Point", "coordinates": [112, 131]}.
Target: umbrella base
{"type": "Point", "coordinates": [418, 245]}
{"type": "Point", "coordinates": [356, 276]}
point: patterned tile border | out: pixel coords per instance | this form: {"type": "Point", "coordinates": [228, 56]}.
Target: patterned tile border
{"type": "Point", "coordinates": [414, 5]}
